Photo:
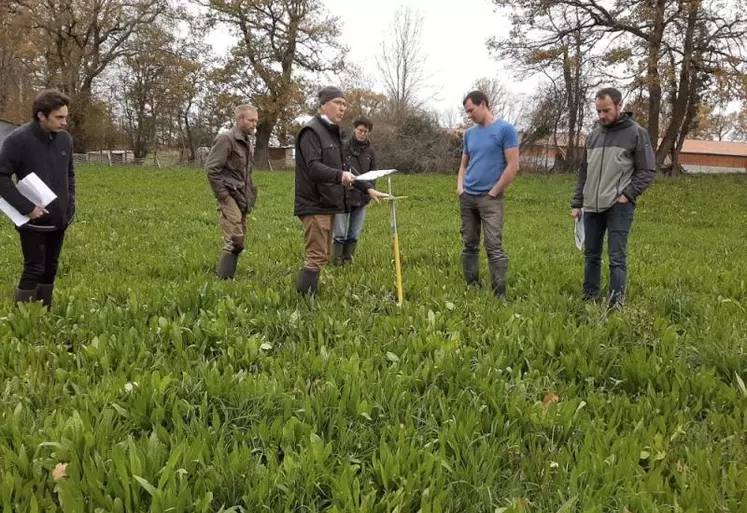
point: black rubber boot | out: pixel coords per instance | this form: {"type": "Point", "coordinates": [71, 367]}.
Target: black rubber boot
{"type": "Point", "coordinates": [44, 294]}
{"type": "Point", "coordinates": [498, 277]}
{"type": "Point", "coordinates": [348, 252]}
{"type": "Point", "coordinates": [24, 296]}
{"type": "Point", "coordinates": [337, 250]}
{"type": "Point", "coordinates": [227, 266]}
{"type": "Point", "coordinates": [307, 282]}
{"type": "Point", "coordinates": [471, 266]}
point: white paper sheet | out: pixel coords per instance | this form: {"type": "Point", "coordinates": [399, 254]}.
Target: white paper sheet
{"type": "Point", "coordinates": [14, 215]}
{"type": "Point", "coordinates": [373, 175]}
{"type": "Point", "coordinates": [579, 231]}
{"type": "Point", "coordinates": [35, 190]}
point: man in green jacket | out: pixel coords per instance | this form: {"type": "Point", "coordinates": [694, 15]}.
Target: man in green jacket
{"type": "Point", "coordinates": [617, 166]}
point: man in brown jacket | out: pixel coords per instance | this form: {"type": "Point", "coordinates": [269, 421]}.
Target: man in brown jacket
{"type": "Point", "coordinates": [229, 171]}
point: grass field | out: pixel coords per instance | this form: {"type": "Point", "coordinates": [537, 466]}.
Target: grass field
{"type": "Point", "coordinates": [163, 389]}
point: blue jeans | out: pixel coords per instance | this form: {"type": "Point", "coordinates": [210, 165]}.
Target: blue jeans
{"type": "Point", "coordinates": [617, 221]}
{"type": "Point", "coordinates": [348, 227]}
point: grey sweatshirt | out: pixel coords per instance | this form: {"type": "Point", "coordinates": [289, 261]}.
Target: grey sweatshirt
{"type": "Point", "coordinates": [618, 160]}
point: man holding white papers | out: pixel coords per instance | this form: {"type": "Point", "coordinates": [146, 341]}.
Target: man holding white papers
{"type": "Point", "coordinates": [348, 226]}
{"type": "Point", "coordinates": [321, 178]}
{"type": "Point", "coordinates": [489, 164]}
{"type": "Point", "coordinates": [43, 148]}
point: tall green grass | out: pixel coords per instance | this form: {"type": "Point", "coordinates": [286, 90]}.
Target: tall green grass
{"type": "Point", "coordinates": [163, 389]}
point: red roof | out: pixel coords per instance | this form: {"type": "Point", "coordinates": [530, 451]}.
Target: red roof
{"type": "Point", "coordinates": [692, 146]}
{"type": "Point", "coordinates": [730, 148]}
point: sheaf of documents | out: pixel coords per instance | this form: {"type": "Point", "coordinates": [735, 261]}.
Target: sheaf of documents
{"type": "Point", "coordinates": [580, 233]}
{"type": "Point", "coordinates": [373, 175]}
{"type": "Point", "coordinates": [35, 190]}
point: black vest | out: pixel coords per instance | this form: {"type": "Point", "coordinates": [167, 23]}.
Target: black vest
{"type": "Point", "coordinates": [314, 198]}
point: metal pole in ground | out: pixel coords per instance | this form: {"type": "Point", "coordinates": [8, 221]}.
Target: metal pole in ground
{"type": "Point", "coordinates": [395, 241]}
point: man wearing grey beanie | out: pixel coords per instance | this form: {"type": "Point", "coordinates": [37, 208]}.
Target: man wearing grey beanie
{"type": "Point", "coordinates": [321, 179]}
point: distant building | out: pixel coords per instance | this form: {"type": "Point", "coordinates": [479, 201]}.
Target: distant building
{"type": "Point", "coordinates": [282, 157]}
{"type": "Point", "coordinates": [697, 156]}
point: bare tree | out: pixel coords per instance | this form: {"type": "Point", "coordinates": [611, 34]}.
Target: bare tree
{"type": "Point", "coordinates": [16, 55]}
{"type": "Point", "coordinates": [280, 41]}
{"type": "Point", "coordinates": [453, 117]}
{"type": "Point", "coordinates": [402, 61]}
{"type": "Point", "coordinates": [80, 39]}
{"type": "Point", "coordinates": [550, 41]}
{"type": "Point", "coordinates": [740, 128]}
{"type": "Point", "coordinates": [503, 103]}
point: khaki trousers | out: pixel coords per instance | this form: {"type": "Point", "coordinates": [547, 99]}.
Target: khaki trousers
{"type": "Point", "coordinates": [317, 231]}
{"type": "Point", "coordinates": [233, 225]}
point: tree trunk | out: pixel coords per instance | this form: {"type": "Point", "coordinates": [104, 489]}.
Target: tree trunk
{"type": "Point", "coordinates": [78, 113]}
{"type": "Point", "coordinates": [264, 130]}
{"type": "Point", "coordinates": [652, 75]}
{"type": "Point", "coordinates": [190, 137]}
{"type": "Point", "coordinates": [685, 91]}
{"type": "Point", "coordinates": [140, 148]}
{"type": "Point", "coordinates": [690, 116]}
{"type": "Point", "coordinates": [570, 94]}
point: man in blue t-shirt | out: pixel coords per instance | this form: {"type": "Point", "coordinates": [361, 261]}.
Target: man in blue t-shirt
{"type": "Point", "coordinates": [489, 163]}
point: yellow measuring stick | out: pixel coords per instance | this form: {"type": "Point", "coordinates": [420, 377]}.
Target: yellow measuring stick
{"type": "Point", "coordinates": [395, 240]}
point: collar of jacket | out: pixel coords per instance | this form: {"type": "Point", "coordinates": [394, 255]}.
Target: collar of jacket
{"type": "Point", "coordinates": [43, 135]}
{"type": "Point", "coordinates": [361, 145]}
{"type": "Point", "coordinates": [356, 147]}
{"type": "Point", "coordinates": [624, 121]}
{"type": "Point", "coordinates": [238, 134]}
{"type": "Point", "coordinates": [329, 125]}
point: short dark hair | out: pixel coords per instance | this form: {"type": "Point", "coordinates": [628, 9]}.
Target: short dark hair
{"type": "Point", "coordinates": [363, 120]}
{"type": "Point", "coordinates": [614, 94]}
{"type": "Point", "coordinates": [476, 97]}
{"type": "Point", "coordinates": [48, 101]}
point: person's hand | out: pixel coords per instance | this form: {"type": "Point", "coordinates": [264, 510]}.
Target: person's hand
{"type": "Point", "coordinates": [623, 199]}
{"type": "Point", "coordinates": [493, 193]}
{"type": "Point", "coordinates": [348, 178]}
{"type": "Point", "coordinates": [376, 195]}
{"type": "Point", "coordinates": [37, 212]}
{"type": "Point", "coordinates": [576, 213]}
{"type": "Point", "coordinates": [460, 190]}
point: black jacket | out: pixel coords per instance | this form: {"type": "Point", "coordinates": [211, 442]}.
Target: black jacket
{"type": "Point", "coordinates": [361, 159]}
{"type": "Point", "coordinates": [29, 149]}
{"type": "Point", "coordinates": [319, 167]}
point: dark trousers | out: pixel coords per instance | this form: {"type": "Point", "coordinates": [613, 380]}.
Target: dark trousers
{"type": "Point", "coordinates": [41, 257]}
{"type": "Point", "coordinates": [482, 211]}
{"type": "Point", "coordinates": [616, 222]}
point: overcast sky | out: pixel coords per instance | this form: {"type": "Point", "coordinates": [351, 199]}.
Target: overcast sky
{"type": "Point", "coordinates": [454, 36]}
